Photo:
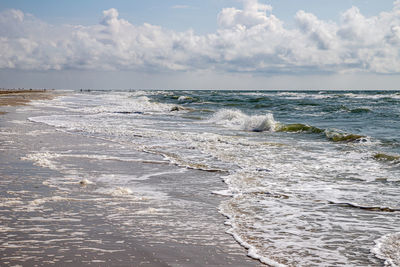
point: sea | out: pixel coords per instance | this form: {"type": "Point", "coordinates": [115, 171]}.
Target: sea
{"type": "Point", "coordinates": [305, 178]}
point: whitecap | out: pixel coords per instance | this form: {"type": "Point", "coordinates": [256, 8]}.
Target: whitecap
{"type": "Point", "coordinates": [184, 98]}
{"type": "Point", "coordinates": [238, 120]}
{"type": "Point", "coordinates": [124, 103]}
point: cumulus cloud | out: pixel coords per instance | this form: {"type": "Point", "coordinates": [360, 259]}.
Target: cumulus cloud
{"type": "Point", "coordinates": [251, 39]}
{"type": "Point", "coordinates": [252, 14]}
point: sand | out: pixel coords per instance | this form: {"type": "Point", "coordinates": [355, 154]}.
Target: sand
{"type": "Point", "coordinates": [14, 97]}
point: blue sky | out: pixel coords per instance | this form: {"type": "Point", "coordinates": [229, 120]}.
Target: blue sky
{"type": "Point", "coordinates": [197, 14]}
{"type": "Point", "coordinates": [194, 44]}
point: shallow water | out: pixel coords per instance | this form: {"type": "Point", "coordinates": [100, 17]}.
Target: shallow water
{"type": "Point", "coordinates": [312, 177]}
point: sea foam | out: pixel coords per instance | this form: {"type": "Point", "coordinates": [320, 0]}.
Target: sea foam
{"type": "Point", "coordinates": [43, 159]}
{"type": "Point", "coordinates": [124, 104]}
{"type": "Point", "coordinates": [387, 248]}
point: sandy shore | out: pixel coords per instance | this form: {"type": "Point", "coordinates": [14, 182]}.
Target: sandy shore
{"type": "Point", "coordinates": [17, 97]}
{"type": "Point", "coordinates": [44, 224]}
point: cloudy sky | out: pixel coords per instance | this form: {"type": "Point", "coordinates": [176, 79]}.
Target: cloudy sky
{"type": "Point", "coordinates": [200, 44]}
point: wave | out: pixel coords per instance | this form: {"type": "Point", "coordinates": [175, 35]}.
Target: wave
{"type": "Point", "coordinates": [308, 95]}
{"type": "Point", "coordinates": [186, 99]}
{"type": "Point", "coordinates": [386, 157]}
{"type": "Point", "coordinates": [252, 251]}
{"type": "Point", "coordinates": [370, 208]}
{"type": "Point", "coordinates": [342, 108]}
{"type": "Point", "coordinates": [298, 127]}
{"type": "Point", "coordinates": [236, 119]}
{"type": "Point", "coordinates": [180, 161]}
{"type": "Point", "coordinates": [328, 95]}
{"type": "Point", "coordinates": [332, 135]}
{"type": "Point", "coordinates": [124, 104]}
{"type": "Point", "coordinates": [335, 136]}
{"type": "Point", "coordinates": [240, 121]}
{"type": "Point", "coordinates": [360, 110]}
{"type": "Point", "coordinates": [387, 248]}
{"type": "Point", "coordinates": [372, 96]}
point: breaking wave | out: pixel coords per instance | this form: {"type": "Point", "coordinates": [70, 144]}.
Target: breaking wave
{"type": "Point", "coordinates": [237, 120]}
{"type": "Point", "coordinates": [336, 136]}
{"type": "Point", "coordinates": [120, 103]}
{"type": "Point", "coordinates": [240, 121]}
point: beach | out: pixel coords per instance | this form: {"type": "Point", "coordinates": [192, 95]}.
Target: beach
{"type": "Point", "coordinates": [16, 97]}
{"type": "Point", "coordinates": [56, 214]}
{"type": "Point", "coordinates": [201, 178]}
{"type": "Point", "coordinates": [200, 133]}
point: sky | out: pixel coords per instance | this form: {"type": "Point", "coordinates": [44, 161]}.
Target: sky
{"type": "Point", "coordinates": [200, 44]}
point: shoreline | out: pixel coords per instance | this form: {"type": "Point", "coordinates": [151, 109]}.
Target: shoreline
{"type": "Point", "coordinates": [44, 225]}
{"type": "Point", "coordinates": [20, 97]}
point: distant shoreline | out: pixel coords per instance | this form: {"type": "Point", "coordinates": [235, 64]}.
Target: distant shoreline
{"type": "Point", "coordinates": [19, 97]}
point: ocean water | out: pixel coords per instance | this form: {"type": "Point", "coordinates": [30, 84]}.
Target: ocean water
{"type": "Point", "coordinates": [312, 178]}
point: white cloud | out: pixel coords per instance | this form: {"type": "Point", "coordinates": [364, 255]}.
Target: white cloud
{"type": "Point", "coordinates": [250, 40]}
{"type": "Point", "coordinates": [252, 14]}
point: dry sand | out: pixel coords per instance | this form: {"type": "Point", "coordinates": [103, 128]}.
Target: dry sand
{"type": "Point", "coordinates": [14, 97]}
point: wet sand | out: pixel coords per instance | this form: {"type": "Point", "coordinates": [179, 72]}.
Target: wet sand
{"type": "Point", "coordinates": [44, 224]}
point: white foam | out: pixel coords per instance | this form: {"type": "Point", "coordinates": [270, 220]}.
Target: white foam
{"type": "Point", "coordinates": [387, 248]}
{"type": "Point", "coordinates": [118, 191]}
{"type": "Point", "coordinates": [371, 96]}
{"type": "Point", "coordinates": [252, 251]}
{"type": "Point", "coordinates": [125, 103]}
{"type": "Point", "coordinates": [322, 95]}
{"type": "Point", "coordinates": [124, 192]}
{"type": "Point", "coordinates": [41, 201]}
{"type": "Point", "coordinates": [43, 159]}
{"type": "Point", "coordinates": [300, 95]}
{"type": "Point", "coordinates": [151, 211]}
{"type": "Point", "coordinates": [293, 95]}
{"type": "Point", "coordinates": [238, 120]}
{"type": "Point", "coordinates": [184, 98]}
